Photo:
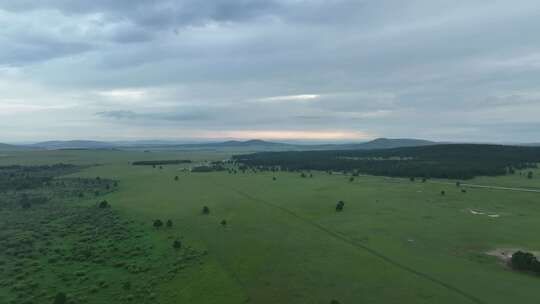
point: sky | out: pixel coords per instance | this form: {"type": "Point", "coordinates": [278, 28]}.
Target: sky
{"type": "Point", "coordinates": [319, 70]}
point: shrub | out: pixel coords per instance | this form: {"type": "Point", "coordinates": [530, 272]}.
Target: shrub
{"type": "Point", "coordinates": [104, 204]}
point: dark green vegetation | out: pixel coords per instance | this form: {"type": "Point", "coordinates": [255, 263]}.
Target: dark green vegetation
{"type": "Point", "coordinates": [525, 261]}
{"type": "Point", "coordinates": [267, 240]}
{"type": "Point", "coordinates": [58, 247]}
{"type": "Point", "coordinates": [456, 161]}
{"type": "Point", "coordinates": [160, 162]}
{"type": "Point", "coordinates": [210, 168]}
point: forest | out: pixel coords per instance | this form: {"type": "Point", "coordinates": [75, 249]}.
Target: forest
{"type": "Point", "coordinates": [456, 161]}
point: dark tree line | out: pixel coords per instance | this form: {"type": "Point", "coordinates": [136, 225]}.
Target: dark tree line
{"type": "Point", "coordinates": [160, 162]}
{"type": "Point", "coordinates": [456, 161]}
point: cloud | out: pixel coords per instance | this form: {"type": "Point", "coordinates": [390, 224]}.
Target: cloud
{"type": "Point", "coordinates": [393, 68]}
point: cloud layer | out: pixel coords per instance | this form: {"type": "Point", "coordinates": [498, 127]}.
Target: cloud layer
{"type": "Point", "coordinates": [343, 69]}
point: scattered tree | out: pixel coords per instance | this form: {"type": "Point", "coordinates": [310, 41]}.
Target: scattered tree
{"type": "Point", "coordinates": [177, 244]}
{"type": "Point", "coordinates": [530, 175]}
{"type": "Point", "coordinates": [274, 178]}
{"type": "Point", "coordinates": [169, 224]}
{"type": "Point", "coordinates": [443, 192]}
{"type": "Point", "coordinates": [458, 184]}
{"type": "Point", "coordinates": [351, 179]}
{"type": "Point", "coordinates": [412, 178]}
{"type": "Point", "coordinates": [104, 204]}
{"type": "Point", "coordinates": [158, 224]}
{"type": "Point", "coordinates": [176, 178]}
{"type": "Point", "coordinates": [223, 223]}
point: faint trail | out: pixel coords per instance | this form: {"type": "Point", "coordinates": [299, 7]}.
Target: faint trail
{"type": "Point", "coordinates": [489, 187]}
{"type": "Point", "coordinates": [345, 239]}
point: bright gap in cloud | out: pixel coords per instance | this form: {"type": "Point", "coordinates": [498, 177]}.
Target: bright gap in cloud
{"type": "Point", "coordinates": [288, 135]}
{"type": "Point", "coordinates": [301, 97]}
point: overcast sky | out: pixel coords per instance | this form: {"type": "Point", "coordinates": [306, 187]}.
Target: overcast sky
{"type": "Point", "coordinates": [464, 70]}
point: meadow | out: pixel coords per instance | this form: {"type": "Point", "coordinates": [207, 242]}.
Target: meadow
{"type": "Point", "coordinates": [396, 241]}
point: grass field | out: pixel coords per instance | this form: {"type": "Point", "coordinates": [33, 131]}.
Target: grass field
{"type": "Point", "coordinates": [396, 241]}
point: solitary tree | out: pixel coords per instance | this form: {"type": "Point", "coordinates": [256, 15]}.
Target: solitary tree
{"type": "Point", "coordinates": [223, 223]}
{"type": "Point", "coordinates": [158, 224]}
{"type": "Point", "coordinates": [411, 178]}
{"type": "Point", "coordinates": [177, 244]}
{"type": "Point", "coordinates": [169, 224]}
{"type": "Point", "coordinates": [206, 210]}
{"type": "Point", "coordinates": [524, 261]}
{"type": "Point", "coordinates": [340, 205]}
{"type": "Point", "coordinates": [443, 192]}
{"type": "Point", "coordinates": [351, 179]}
{"type": "Point", "coordinates": [274, 178]}
{"type": "Point", "coordinates": [176, 178]}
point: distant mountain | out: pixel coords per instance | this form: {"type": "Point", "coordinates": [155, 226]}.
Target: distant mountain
{"type": "Point", "coordinates": [73, 144]}
{"type": "Point", "coordinates": [262, 145]}
{"type": "Point", "coordinates": [389, 143]}
{"type": "Point", "coordinates": [7, 147]}
{"type": "Point", "coordinates": [255, 145]}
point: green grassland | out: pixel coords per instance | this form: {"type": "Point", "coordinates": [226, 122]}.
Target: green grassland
{"type": "Point", "coordinates": [396, 241]}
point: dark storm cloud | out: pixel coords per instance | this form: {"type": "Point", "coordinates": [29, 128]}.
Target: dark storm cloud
{"type": "Point", "coordinates": [436, 69]}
